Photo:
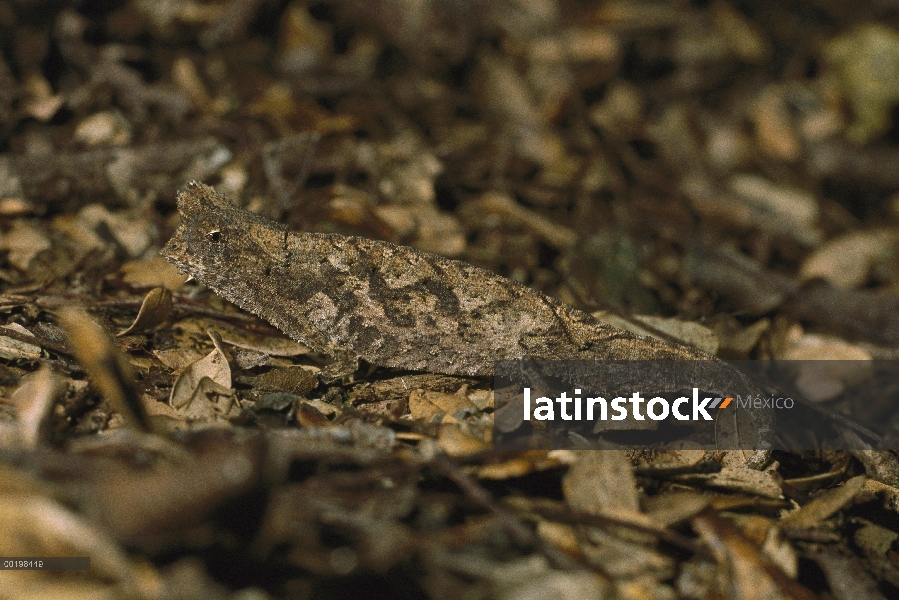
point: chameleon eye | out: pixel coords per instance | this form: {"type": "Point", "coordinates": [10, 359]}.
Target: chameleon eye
{"type": "Point", "coordinates": [214, 235]}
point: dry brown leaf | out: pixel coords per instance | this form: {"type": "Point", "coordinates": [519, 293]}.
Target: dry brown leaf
{"type": "Point", "coordinates": [103, 128]}
{"type": "Point", "coordinates": [761, 483]}
{"type": "Point", "coordinates": [133, 234]}
{"type": "Point", "coordinates": [846, 575]}
{"type": "Point", "coordinates": [426, 405]}
{"type": "Point", "coordinates": [865, 60]}
{"type": "Point", "coordinates": [787, 211]}
{"type": "Point", "coordinates": [686, 332]}
{"type": "Point", "coordinates": [179, 357]}
{"type": "Point", "coordinates": [774, 130]}
{"type": "Point", "coordinates": [875, 540]}
{"type": "Point", "coordinates": [735, 340]}
{"type": "Point", "coordinates": [309, 415]}
{"type": "Point", "coordinates": [39, 526]}
{"type": "Point", "coordinates": [741, 33]}
{"type": "Point", "coordinates": [825, 505]}
{"type": "Point", "coordinates": [273, 344]}
{"type": "Point", "coordinates": [820, 381]}
{"type": "Point", "coordinates": [213, 367]}
{"type": "Point", "coordinates": [23, 243]}
{"type": "Point", "coordinates": [847, 261]}
{"type": "Point", "coordinates": [750, 576]}
{"type": "Point", "coordinates": [526, 462]}
{"type": "Point", "coordinates": [456, 442]}
{"type": "Point", "coordinates": [155, 309]}
{"type": "Point", "coordinates": [503, 206]}
{"type": "Point", "coordinates": [560, 535]}
{"type": "Point", "coordinates": [675, 507]}
{"type": "Point", "coordinates": [888, 493]}
{"type": "Point", "coordinates": [601, 482]}
{"type": "Point", "coordinates": [209, 403]}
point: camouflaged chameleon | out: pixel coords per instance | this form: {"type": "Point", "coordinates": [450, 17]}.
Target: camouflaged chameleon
{"type": "Point", "coordinates": [392, 306]}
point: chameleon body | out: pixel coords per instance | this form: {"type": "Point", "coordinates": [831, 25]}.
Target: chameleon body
{"type": "Point", "coordinates": [392, 306]}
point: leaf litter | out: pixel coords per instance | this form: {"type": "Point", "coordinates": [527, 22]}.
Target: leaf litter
{"type": "Point", "coordinates": [661, 167]}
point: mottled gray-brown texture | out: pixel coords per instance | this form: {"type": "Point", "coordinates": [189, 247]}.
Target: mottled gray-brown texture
{"type": "Point", "coordinates": [392, 306]}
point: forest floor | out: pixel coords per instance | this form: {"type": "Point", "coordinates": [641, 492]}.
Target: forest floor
{"type": "Point", "coordinates": [723, 174]}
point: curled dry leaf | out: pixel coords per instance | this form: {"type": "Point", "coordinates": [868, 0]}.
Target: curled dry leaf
{"type": "Point", "coordinates": [211, 374]}
{"type": "Point", "coordinates": [154, 310]}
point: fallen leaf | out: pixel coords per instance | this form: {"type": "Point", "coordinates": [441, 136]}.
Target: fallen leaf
{"type": "Point", "coordinates": [847, 261]}
{"type": "Point", "coordinates": [426, 405]}
{"type": "Point", "coordinates": [790, 211]}
{"type": "Point", "coordinates": [213, 367]}
{"type": "Point", "coordinates": [155, 309]}
{"type": "Point", "coordinates": [825, 505]}
{"type": "Point", "coordinates": [686, 332]}
{"type": "Point", "coordinates": [750, 576]}
{"type": "Point", "coordinates": [761, 483]}
{"type": "Point", "coordinates": [824, 365]}
{"type": "Point", "coordinates": [23, 243]}
{"type": "Point", "coordinates": [456, 442]}
{"type": "Point", "coordinates": [846, 575]}
{"type": "Point", "coordinates": [866, 62]}
{"type": "Point", "coordinates": [601, 483]}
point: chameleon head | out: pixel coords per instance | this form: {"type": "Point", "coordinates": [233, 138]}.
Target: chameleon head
{"type": "Point", "coordinates": [216, 239]}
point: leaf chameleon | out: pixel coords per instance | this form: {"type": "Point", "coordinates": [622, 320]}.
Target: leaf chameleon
{"type": "Point", "coordinates": [392, 306]}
